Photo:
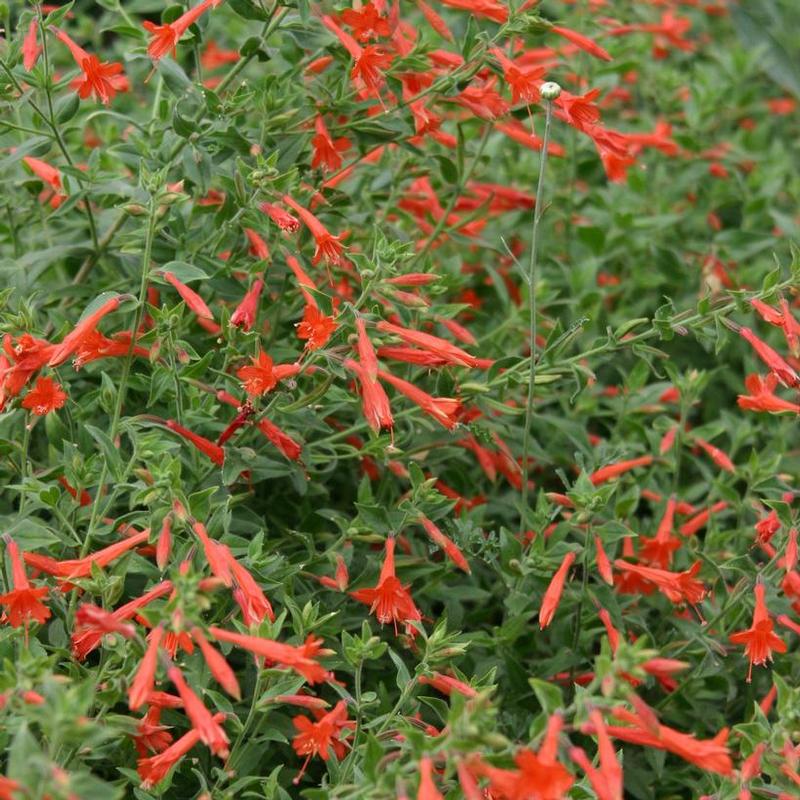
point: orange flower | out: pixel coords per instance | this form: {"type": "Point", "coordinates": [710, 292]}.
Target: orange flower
{"type": "Point", "coordinates": [658, 550]}
{"type": "Point", "coordinates": [583, 42]}
{"type": "Point", "coordinates": [440, 347]}
{"type": "Point", "coordinates": [538, 775]}
{"type": "Point", "coordinates": [552, 594]}
{"type": "Point", "coordinates": [444, 410]}
{"type": "Point", "coordinates": [245, 314]}
{"type": "Point", "coordinates": [784, 373]}
{"type": "Point", "coordinates": [205, 446]}
{"type": "Point", "coordinates": [190, 297]}
{"type": "Point", "coordinates": [208, 727]}
{"type": "Point", "coordinates": [375, 403]}
{"type": "Point", "coordinates": [328, 245]}
{"type": "Point", "coordinates": [23, 602]}
{"type": "Point", "coordinates": [449, 546]}
{"type": "Point", "coordinates": [153, 770]}
{"type": "Point", "coordinates": [166, 37]}
{"type": "Point", "coordinates": [720, 458]}
{"type": "Point", "coordinates": [258, 247]}
{"type": "Point", "coordinates": [762, 396]}
{"type": "Point", "coordinates": [72, 568]}
{"type": "Point", "coordinates": [49, 175]}
{"type": "Point", "coordinates": [447, 684]}
{"type": "Point", "coordinates": [103, 79]}
{"type": "Point", "coordinates": [301, 659]}
{"type": "Point", "coordinates": [217, 665]}
{"type": "Point", "coordinates": [30, 46]}
{"type": "Point", "coordinates": [326, 150]}
{"type": "Point", "coordinates": [389, 600]}
{"type": "Point", "coordinates": [677, 587]}
{"type": "Point", "coordinates": [262, 376]}
{"type": "Point", "coordinates": [759, 640]}
{"type": "Point", "coordinates": [74, 339]}
{"type": "Point", "coordinates": [615, 470]}
{"type": "Point", "coordinates": [316, 328]}
{"type": "Point", "coordinates": [86, 639]}
{"type": "Point", "coordinates": [46, 396]}
{"type": "Point", "coordinates": [320, 737]}
{"type": "Point", "coordinates": [143, 682]}
{"type": "Point", "coordinates": [283, 219]}
{"type": "Point", "coordinates": [427, 788]}
{"type": "Point", "coordinates": [644, 728]}
{"type": "Point", "coordinates": [607, 780]}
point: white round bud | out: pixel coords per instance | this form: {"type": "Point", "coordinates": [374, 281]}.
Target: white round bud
{"type": "Point", "coordinates": [550, 90]}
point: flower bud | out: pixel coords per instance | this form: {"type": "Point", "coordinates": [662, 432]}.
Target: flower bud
{"type": "Point", "coordinates": [550, 91]}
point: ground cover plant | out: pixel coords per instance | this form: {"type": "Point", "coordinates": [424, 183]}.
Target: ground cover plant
{"type": "Point", "coordinates": [399, 399]}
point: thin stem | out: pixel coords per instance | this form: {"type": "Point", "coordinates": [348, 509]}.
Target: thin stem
{"type": "Point", "coordinates": [126, 367]}
{"type": "Point", "coordinates": [532, 278]}
{"type": "Point", "coordinates": [57, 133]}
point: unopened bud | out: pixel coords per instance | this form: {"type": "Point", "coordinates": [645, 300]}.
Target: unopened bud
{"type": "Point", "coordinates": [550, 90]}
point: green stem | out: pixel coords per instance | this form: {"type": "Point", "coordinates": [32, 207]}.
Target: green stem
{"type": "Point", "coordinates": [126, 367]}
{"type": "Point", "coordinates": [57, 133]}
{"type": "Point", "coordinates": [532, 278]}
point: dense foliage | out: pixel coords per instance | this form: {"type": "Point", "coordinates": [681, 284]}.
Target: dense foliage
{"type": "Point", "coordinates": [399, 400]}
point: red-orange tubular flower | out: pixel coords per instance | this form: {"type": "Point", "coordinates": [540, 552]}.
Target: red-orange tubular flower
{"type": "Point", "coordinates": [217, 665]}
{"type": "Point", "coordinates": [85, 639]}
{"type": "Point", "coordinates": [165, 38]}
{"type": "Point", "coordinates": [658, 550]}
{"type": "Point", "coordinates": [427, 788]}
{"type": "Point", "coordinates": [46, 396]}
{"type": "Point", "coordinates": [144, 680]}
{"type": "Point", "coordinates": [189, 296]}
{"type": "Point", "coordinates": [490, 9]}
{"type": "Point", "coordinates": [22, 602]}
{"type": "Point", "coordinates": [318, 738]}
{"type": "Point", "coordinates": [611, 471]}
{"type": "Point", "coordinates": [444, 410]}
{"type": "Point", "coordinates": [262, 375]}
{"type": "Point", "coordinates": [329, 246]}
{"type": "Point", "coordinates": [49, 175]}
{"type": "Point", "coordinates": [538, 775]}
{"type": "Point", "coordinates": [301, 659]}
{"type": "Point", "coordinates": [447, 684]}
{"type": "Point", "coordinates": [103, 79]}
{"type": "Point", "coordinates": [759, 639]}
{"type": "Point", "coordinates": [283, 219]}
{"type": "Point", "coordinates": [583, 42]}
{"type": "Point", "coordinates": [762, 396]}
{"type": "Point", "coordinates": [678, 587]}
{"type": "Point", "coordinates": [245, 314]}
{"type": "Point", "coordinates": [207, 726]}
{"type": "Point", "coordinates": [552, 595]}
{"type": "Point", "coordinates": [447, 351]}
{"type": "Point", "coordinates": [82, 567]}
{"type": "Point", "coordinates": [72, 341]}
{"type": "Point", "coordinates": [205, 446]}
{"type": "Point", "coordinates": [389, 600]}
{"type": "Point", "coordinates": [607, 780]}
{"type": "Point", "coordinates": [153, 770]}
{"type": "Point", "coordinates": [374, 401]}
{"type": "Point", "coordinates": [447, 544]}
{"type": "Point", "coordinates": [720, 458]}
{"type": "Point", "coordinates": [782, 371]}
{"type": "Point", "coordinates": [644, 728]}
{"type": "Point", "coordinates": [369, 61]}
{"type": "Point", "coordinates": [92, 617]}
{"type": "Point", "coordinates": [30, 46]}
